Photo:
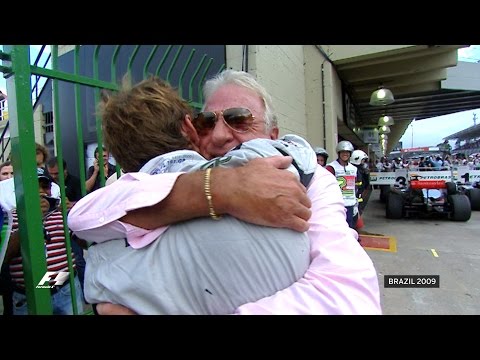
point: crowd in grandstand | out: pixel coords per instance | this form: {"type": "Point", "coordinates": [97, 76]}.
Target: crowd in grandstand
{"type": "Point", "coordinates": [426, 163]}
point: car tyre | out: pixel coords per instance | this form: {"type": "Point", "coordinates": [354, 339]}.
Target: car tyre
{"type": "Point", "coordinates": [394, 206]}
{"type": "Point", "coordinates": [474, 197]}
{"type": "Point", "coordinates": [460, 209]}
{"type": "Point", "coordinates": [451, 188]}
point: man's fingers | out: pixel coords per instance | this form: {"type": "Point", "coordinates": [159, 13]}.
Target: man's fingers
{"type": "Point", "coordinates": [304, 199]}
{"type": "Point", "coordinates": [297, 217]}
{"type": "Point", "coordinates": [299, 224]}
{"type": "Point", "coordinates": [304, 213]}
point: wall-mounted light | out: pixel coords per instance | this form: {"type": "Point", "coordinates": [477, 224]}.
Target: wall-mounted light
{"type": "Point", "coordinates": [384, 130]}
{"type": "Point", "coordinates": [385, 120]}
{"type": "Point", "coordinates": [381, 97]}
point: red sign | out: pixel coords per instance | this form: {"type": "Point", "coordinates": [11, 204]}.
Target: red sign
{"type": "Point", "coordinates": [427, 184]}
{"type": "Point", "coordinates": [415, 149]}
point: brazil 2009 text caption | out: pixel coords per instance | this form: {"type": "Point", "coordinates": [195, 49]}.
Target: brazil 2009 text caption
{"type": "Point", "coordinates": [411, 281]}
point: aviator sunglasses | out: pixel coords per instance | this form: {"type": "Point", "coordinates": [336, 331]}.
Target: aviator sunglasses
{"type": "Point", "coordinates": [237, 119]}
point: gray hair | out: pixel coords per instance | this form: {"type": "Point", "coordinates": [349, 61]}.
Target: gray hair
{"type": "Point", "coordinates": [242, 78]}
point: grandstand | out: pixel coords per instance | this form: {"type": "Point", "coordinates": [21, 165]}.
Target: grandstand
{"type": "Point", "coordinates": [467, 140]}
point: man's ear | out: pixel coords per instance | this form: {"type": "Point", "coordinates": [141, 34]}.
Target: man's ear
{"type": "Point", "coordinates": [189, 131]}
{"type": "Point", "coordinates": [274, 133]}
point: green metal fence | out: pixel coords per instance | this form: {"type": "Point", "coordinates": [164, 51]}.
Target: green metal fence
{"type": "Point", "coordinates": [18, 70]}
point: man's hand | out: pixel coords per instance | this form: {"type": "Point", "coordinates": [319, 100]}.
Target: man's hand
{"type": "Point", "coordinates": [113, 309]}
{"type": "Point", "coordinates": [44, 204]}
{"type": "Point", "coordinates": [96, 168]}
{"type": "Point", "coordinates": [262, 193]}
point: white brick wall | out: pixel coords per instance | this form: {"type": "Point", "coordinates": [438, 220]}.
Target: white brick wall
{"type": "Point", "coordinates": [280, 69]}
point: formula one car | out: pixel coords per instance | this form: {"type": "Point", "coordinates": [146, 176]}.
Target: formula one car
{"type": "Point", "coordinates": [427, 197]}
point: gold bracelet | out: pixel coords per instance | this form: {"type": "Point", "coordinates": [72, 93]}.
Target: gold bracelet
{"type": "Point", "coordinates": [208, 195]}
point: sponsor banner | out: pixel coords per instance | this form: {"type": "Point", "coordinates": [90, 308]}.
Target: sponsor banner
{"type": "Point", "coordinates": [461, 174]}
{"type": "Point", "coordinates": [382, 178]}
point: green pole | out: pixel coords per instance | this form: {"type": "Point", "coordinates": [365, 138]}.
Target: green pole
{"type": "Point", "coordinates": [26, 180]}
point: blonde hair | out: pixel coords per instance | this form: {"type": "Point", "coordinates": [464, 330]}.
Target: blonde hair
{"type": "Point", "coordinates": [143, 121]}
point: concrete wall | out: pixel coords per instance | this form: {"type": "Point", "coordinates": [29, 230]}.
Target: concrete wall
{"type": "Point", "coordinates": [333, 107]}
{"type": "Point", "coordinates": [38, 124]}
{"type": "Point", "coordinates": [464, 76]}
{"type": "Point", "coordinates": [234, 57]}
{"type": "Point", "coordinates": [280, 69]}
{"type": "Point", "coordinates": [339, 52]}
{"type": "Point", "coordinates": [323, 100]}
{"type": "Point", "coordinates": [314, 97]}
{"type": "Point", "coordinates": [63, 49]}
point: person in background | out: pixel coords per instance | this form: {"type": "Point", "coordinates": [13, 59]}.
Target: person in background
{"type": "Point", "coordinates": [6, 170]}
{"type": "Point", "coordinates": [55, 251]}
{"type": "Point", "coordinates": [322, 156]}
{"type": "Point", "coordinates": [359, 159]}
{"type": "Point", "coordinates": [447, 163]}
{"type": "Point", "coordinates": [397, 164]}
{"type": "Point", "coordinates": [387, 165]}
{"type": "Point", "coordinates": [41, 153]}
{"type": "Point", "coordinates": [73, 190]}
{"type": "Point", "coordinates": [7, 186]}
{"type": "Point", "coordinates": [93, 174]}
{"type": "Point", "coordinates": [341, 278]}
{"type": "Point", "coordinates": [73, 193]}
{"type": "Point", "coordinates": [437, 163]}
{"type": "Point", "coordinates": [6, 290]}
{"type": "Point", "coordinates": [346, 175]}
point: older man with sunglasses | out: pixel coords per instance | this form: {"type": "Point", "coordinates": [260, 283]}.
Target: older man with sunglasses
{"type": "Point", "coordinates": [341, 278]}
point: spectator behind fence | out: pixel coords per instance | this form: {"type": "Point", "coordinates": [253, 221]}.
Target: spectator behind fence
{"type": "Point", "coordinates": [93, 174]}
{"type": "Point", "coordinates": [55, 251]}
{"type": "Point", "coordinates": [41, 155]}
{"type": "Point", "coordinates": [73, 193]}
{"type": "Point", "coordinates": [6, 170]}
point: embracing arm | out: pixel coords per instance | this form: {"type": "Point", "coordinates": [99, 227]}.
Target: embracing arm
{"type": "Point", "coordinates": [235, 192]}
{"type": "Point", "coordinates": [254, 193]}
{"type": "Point", "coordinates": [341, 278]}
